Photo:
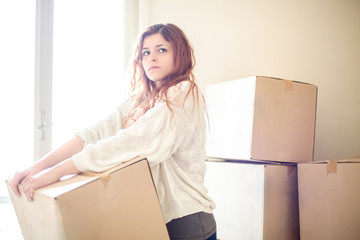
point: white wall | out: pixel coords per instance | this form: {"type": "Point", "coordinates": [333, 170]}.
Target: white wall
{"type": "Point", "coordinates": [313, 41]}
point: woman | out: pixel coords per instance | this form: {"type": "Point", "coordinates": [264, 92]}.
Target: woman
{"type": "Point", "coordinates": [164, 121]}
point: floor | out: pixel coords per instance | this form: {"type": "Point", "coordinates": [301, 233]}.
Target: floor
{"type": "Point", "coordinates": [9, 226]}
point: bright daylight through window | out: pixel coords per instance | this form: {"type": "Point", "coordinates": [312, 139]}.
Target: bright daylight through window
{"type": "Point", "coordinates": [17, 51]}
{"type": "Point", "coordinates": [87, 69]}
{"type": "Point", "coordinates": [87, 81]}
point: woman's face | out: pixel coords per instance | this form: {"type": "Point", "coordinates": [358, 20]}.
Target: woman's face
{"type": "Point", "coordinates": [157, 57]}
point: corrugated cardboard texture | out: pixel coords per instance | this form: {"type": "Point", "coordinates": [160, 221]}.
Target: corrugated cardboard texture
{"type": "Point", "coordinates": [125, 206]}
{"type": "Point", "coordinates": [284, 120]}
{"type": "Point", "coordinates": [329, 201]}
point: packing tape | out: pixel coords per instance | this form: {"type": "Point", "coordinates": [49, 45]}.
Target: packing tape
{"type": "Point", "coordinates": [289, 85]}
{"type": "Point", "coordinates": [104, 177]}
{"type": "Point", "coordinates": [331, 167]}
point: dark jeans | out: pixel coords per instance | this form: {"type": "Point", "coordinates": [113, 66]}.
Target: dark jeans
{"type": "Point", "coordinates": [197, 226]}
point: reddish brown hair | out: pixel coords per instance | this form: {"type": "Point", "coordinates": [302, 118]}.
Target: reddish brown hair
{"type": "Point", "coordinates": [146, 90]}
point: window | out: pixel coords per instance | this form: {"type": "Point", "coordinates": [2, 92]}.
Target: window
{"type": "Point", "coordinates": [87, 64]}
{"type": "Point", "coordinates": [17, 55]}
{"type": "Point", "coordinates": [17, 24]}
{"type": "Point", "coordinates": [62, 64]}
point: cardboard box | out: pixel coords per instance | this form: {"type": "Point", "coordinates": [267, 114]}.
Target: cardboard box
{"type": "Point", "coordinates": [254, 201]}
{"type": "Point", "coordinates": [261, 118]}
{"type": "Point", "coordinates": [329, 200]}
{"type": "Point", "coordinates": [120, 203]}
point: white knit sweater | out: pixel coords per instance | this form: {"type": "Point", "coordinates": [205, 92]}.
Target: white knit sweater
{"type": "Point", "coordinates": [174, 145]}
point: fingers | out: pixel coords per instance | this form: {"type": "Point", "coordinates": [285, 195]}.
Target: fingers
{"type": "Point", "coordinates": [34, 182]}
{"type": "Point", "coordinates": [14, 182]}
{"type": "Point", "coordinates": [31, 181]}
{"type": "Point", "coordinates": [29, 193]}
{"type": "Point", "coordinates": [26, 179]}
{"type": "Point", "coordinates": [14, 188]}
{"type": "Point", "coordinates": [29, 185]}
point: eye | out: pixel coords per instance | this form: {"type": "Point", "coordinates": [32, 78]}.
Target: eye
{"type": "Point", "coordinates": [146, 53]}
{"type": "Point", "coordinates": [162, 50]}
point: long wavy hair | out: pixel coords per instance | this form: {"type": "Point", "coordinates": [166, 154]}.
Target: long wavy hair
{"type": "Point", "coordinates": [147, 92]}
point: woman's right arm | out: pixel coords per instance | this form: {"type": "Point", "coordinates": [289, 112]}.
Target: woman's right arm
{"type": "Point", "coordinates": [67, 150]}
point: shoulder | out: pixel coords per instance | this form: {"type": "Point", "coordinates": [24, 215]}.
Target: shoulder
{"type": "Point", "coordinates": [186, 97]}
{"type": "Point", "coordinates": [179, 88]}
{"type": "Point", "coordinates": [185, 90]}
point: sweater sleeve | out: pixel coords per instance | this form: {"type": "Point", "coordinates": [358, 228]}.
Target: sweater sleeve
{"type": "Point", "coordinates": [152, 136]}
{"type": "Point", "coordinates": [106, 127]}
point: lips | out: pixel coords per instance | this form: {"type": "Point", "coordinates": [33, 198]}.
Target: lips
{"type": "Point", "coordinates": [153, 67]}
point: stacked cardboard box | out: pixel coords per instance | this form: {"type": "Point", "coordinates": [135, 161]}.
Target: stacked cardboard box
{"type": "Point", "coordinates": [254, 200]}
{"type": "Point", "coordinates": [120, 203]}
{"type": "Point", "coordinates": [260, 127]}
{"type": "Point", "coordinates": [262, 118]}
{"type": "Point", "coordinates": [329, 199]}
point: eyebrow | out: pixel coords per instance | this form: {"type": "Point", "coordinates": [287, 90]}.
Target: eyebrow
{"type": "Point", "coordinates": [159, 45]}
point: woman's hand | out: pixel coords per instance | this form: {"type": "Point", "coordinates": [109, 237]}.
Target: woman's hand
{"type": "Point", "coordinates": [19, 177]}
{"type": "Point", "coordinates": [31, 180]}
{"type": "Point", "coordinates": [30, 184]}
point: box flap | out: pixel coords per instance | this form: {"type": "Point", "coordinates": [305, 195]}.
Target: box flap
{"type": "Point", "coordinates": [286, 80]}
{"type": "Point", "coordinates": [76, 181]}
{"type": "Point", "coordinates": [332, 165]}
{"type": "Point", "coordinates": [345, 160]}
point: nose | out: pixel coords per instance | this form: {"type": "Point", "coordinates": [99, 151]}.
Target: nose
{"type": "Point", "coordinates": [153, 57]}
